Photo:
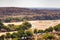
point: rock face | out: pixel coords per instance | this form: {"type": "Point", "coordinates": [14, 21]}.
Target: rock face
{"type": "Point", "coordinates": [35, 13]}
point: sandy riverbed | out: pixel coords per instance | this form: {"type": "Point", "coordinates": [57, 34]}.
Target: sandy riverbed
{"type": "Point", "coordinates": [39, 24]}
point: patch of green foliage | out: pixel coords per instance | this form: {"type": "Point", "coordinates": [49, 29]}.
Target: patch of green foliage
{"type": "Point", "coordinates": [57, 27]}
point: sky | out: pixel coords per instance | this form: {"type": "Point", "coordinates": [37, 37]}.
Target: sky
{"type": "Point", "coordinates": [30, 3]}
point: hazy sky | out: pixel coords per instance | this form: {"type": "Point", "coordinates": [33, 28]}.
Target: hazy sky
{"type": "Point", "coordinates": [30, 3]}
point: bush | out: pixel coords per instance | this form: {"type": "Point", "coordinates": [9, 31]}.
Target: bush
{"type": "Point", "coordinates": [35, 31]}
{"type": "Point", "coordinates": [8, 35]}
{"type": "Point", "coordinates": [50, 29]}
{"type": "Point", "coordinates": [57, 27]}
{"type": "Point", "coordinates": [29, 33]}
{"type": "Point", "coordinates": [40, 31]}
{"type": "Point", "coordinates": [25, 25]}
{"type": "Point", "coordinates": [48, 36]}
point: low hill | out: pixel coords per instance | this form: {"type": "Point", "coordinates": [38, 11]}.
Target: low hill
{"type": "Point", "coordinates": [32, 13]}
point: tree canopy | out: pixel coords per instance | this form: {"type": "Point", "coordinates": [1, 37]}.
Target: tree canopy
{"type": "Point", "coordinates": [57, 27]}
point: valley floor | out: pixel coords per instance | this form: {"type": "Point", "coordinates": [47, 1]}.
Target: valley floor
{"type": "Point", "coordinates": [39, 24]}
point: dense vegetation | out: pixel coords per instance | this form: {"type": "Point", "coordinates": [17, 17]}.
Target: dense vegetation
{"type": "Point", "coordinates": [23, 32]}
{"type": "Point", "coordinates": [51, 33]}
{"type": "Point", "coordinates": [11, 27]}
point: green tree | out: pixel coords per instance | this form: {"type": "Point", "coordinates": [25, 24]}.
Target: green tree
{"type": "Point", "coordinates": [47, 36]}
{"type": "Point", "coordinates": [29, 33]}
{"type": "Point", "coordinates": [57, 27]}
{"type": "Point", "coordinates": [2, 37]}
{"type": "Point", "coordinates": [8, 36]}
{"type": "Point", "coordinates": [50, 29]}
{"type": "Point", "coordinates": [7, 19]}
{"type": "Point", "coordinates": [35, 31]}
{"type": "Point", "coordinates": [40, 31]}
{"type": "Point", "coordinates": [20, 33]}
{"type": "Point", "coordinates": [1, 25]}
{"type": "Point", "coordinates": [10, 25]}
{"type": "Point", "coordinates": [25, 25]}
{"type": "Point", "coordinates": [14, 35]}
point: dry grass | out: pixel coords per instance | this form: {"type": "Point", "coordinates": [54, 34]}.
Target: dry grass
{"type": "Point", "coordinates": [39, 24]}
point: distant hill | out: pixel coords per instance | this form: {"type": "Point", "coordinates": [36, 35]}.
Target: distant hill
{"type": "Point", "coordinates": [32, 13]}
